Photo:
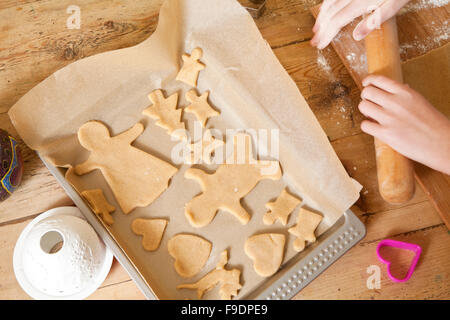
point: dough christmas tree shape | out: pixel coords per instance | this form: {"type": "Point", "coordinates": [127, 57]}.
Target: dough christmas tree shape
{"type": "Point", "coordinates": [224, 189]}
{"type": "Point", "coordinates": [190, 253]}
{"type": "Point", "coordinates": [152, 231]}
{"type": "Point", "coordinates": [98, 203]}
{"type": "Point", "coordinates": [266, 250]}
{"type": "Point", "coordinates": [202, 150]}
{"type": "Point", "coordinates": [228, 280]}
{"type": "Point", "coordinates": [165, 111]}
{"type": "Point", "coordinates": [200, 107]}
{"type": "Point", "coordinates": [281, 208]}
{"type": "Point", "coordinates": [307, 223]}
{"type": "Point", "coordinates": [135, 177]}
{"type": "Point", "coordinates": [191, 67]}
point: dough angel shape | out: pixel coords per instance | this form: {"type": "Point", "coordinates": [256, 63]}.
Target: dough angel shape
{"type": "Point", "coordinates": [203, 149]}
{"type": "Point", "coordinates": [281, 208]}
{"type": "Point", "coordinates": [200, 106]}
{"type": "Point", "coordinates": [228, 279]}
{"type": "Point", "coordinates": [191, 67]}
{"type": "Point", "coordinates": [233, 180]}
{"type": "Point", "coordinates": [165, 111]}
{"type": "Point", "coordinates": [135, 177]}
{"type": "Point", "coordinates": [307, 223]}
{"type": "Point", "coordinates": [98, 203]}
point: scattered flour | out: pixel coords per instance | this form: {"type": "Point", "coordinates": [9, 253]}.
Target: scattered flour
{"type": "Point", "coordinates": [422, 4]}
{"type": "Point", "coordinates": [323, 62]}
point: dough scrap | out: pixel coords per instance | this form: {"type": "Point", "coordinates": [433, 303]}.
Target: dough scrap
{"type": "Point", "coordinates": [281, 208]}
{"type": "Point", "coordinates": [135, 177]}
{"type": "Point", "coordinates": [190, 253]}
{"type": "Point", "coordinates": [266, 250]}
{"type": "Point", "coordinates": [203, 149]}
{"type": "Point", "coordinates": [152, 231]}
{"type": "Point", "coordinates": [224, 189]}
{"type": "Point", "coordinates": [98, 203]}
{"type": "Point", "coordinates": [191, 67]}
{"type": "Point", "coordinates": [165, 111]}
{"type": "Point", "coordinates": [200, 107]}
{"type": "Point", "coordinates": [228, 280]}
{"type": "Point", "coordinates": [307, 223]}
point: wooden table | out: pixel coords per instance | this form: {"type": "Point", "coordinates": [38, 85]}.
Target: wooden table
{"type": "Point", "coordinates": [34, 43]}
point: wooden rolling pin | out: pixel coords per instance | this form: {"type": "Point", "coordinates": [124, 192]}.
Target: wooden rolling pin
{"type": "Point", "coordinates": [395, 172]}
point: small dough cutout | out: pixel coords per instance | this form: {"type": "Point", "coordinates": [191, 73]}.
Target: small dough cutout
{"type": "Point", "coordinates": [200, 107]}
{"type": "Point", "coordinates": [165, 111]}
{"type": "Point", "coordinates": [135, 177]}
{"type": "Point", "coordinates": [266, 250]}
{"type": "Point", "coordinates": [191, 67]}
{"type": "Point", "coordinates": [281, 208]}
{"type": "Point", "coordinates": [98, 203]}
{"type": "Point", "coordinates": [190, 253]}
{"type": "Point", "coordinates": [228, 280]}
{"type": "Point", "coordinates": [224, 189]}
{"type": "Point", "coordinates": [152, 231]}
{"type": "Point", "coordinates": [202, 150]}
{"type": "Point", "coordinates": [307, 223]}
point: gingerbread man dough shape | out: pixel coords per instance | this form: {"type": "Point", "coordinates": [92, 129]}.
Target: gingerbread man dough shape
{"type": "Point", "coordinates": [135, 177]}
{"type": "Point", "coordinates": [224, 189]}
{"type": "Point", "coordinates": [99, 204]}
{"type": "Point", "coordinates": [307, 222]}
{"type": "Point", "coordinates": [200, 106]}
{"type": "Point", "coordinates": [165, 111]}
{"type": "Point", "coordinates": [229, 280]}
{"type": "Point", "coordinates": [203, 149]}
{"type": "Point", "coordinates": [281, 208]}
{"type": "Point", "coordinates": [191, 67]}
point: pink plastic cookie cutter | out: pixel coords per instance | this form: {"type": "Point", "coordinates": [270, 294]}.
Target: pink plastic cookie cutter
{"type": "Point", "coordinates": [401, 245]}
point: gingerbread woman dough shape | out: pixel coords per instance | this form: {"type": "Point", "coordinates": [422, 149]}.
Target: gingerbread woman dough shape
{"type": "Point", "coordinates": [135, 177]}
{"type": "Point", "coordinates": [191, 67]}
{"type": "Point", "coordinates": [233, 180]}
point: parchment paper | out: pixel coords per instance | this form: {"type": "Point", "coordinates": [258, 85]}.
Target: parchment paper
{"type": "Point", "coordinates": [249, 87]}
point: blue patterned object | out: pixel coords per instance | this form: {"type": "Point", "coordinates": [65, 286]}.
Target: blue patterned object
{"type": "Point", "coordinates": [11, 165]}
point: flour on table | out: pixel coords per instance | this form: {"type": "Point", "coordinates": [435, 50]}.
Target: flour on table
{"type": "Point", "coordinates": [422, 4]}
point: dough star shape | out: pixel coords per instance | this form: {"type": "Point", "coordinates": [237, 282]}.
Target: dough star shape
{"type": "Point", "coordinates": [152, 231]}
{"type": "Point", "coordinates": [190, 253]}
{"type": "Point", "coordinates": [224, 189]}
{"type": "Point", "coordinates": [200, 107]}
{"type": "Point", "coordinates": [203, 149]}
{"type": "Point", "coordinates": [165, 111]}
{"type": "Point", "coordinates": [98, 203]}
{"type": "Point", "coordinates": [281, 208]}
{"type": "Point", "coordinates": [228, 280]}
{"type": "Point", "coordinates": [266, 251]}
{"type": "Point", "coordinates": [191, 67]}
{"type": "Point", "coordinates": [307, 223]}
{"type": "Point", "coordinates": [135, 177]}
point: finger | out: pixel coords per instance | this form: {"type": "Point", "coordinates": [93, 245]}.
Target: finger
{"type": "Point", "coordinates": [382, 82]}
{"type": "Point", "coordinates": [339, 20]}
{"type": "Point", "coordinates": [377, 96]}
{"type": "Point", "coordinates": [324, 17]}
{"type": "Point", "coordinates": [323, 11]}
{"type": "Point", "coordinates": [372, 128]}
{"type": "Point", "coordinates": [374, 111]}
{"type": "Point", "coordinates": [385, 11]}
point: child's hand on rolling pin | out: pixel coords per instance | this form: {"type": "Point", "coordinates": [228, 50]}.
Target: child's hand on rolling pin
{"type": "Point", "coordinates": [335, 14]}
{"type": "Point", "coordinates": [406, 121]}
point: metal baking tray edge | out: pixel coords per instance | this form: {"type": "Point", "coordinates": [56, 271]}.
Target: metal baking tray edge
{"type": "Point", "coordinates": [293, 276]}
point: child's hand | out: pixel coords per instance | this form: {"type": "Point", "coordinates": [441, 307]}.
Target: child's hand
{"type": "Point", "coordinates": [335, 14]}
{"type": "Point", "coordinates": [406, 121]}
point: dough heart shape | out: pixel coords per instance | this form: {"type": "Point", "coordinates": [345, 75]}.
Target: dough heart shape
{"type": "Point", "coordinates": [152, 231]}
{"type": "Point", "coordinates": [190, 253]}
{"type": "Point", "coordinates": [401, 245]}
{"type": "Point", "coordinates": [266, 251]}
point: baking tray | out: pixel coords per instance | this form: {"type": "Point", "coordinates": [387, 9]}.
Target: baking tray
{"type": "Point", "coordinates": [293, 276]}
